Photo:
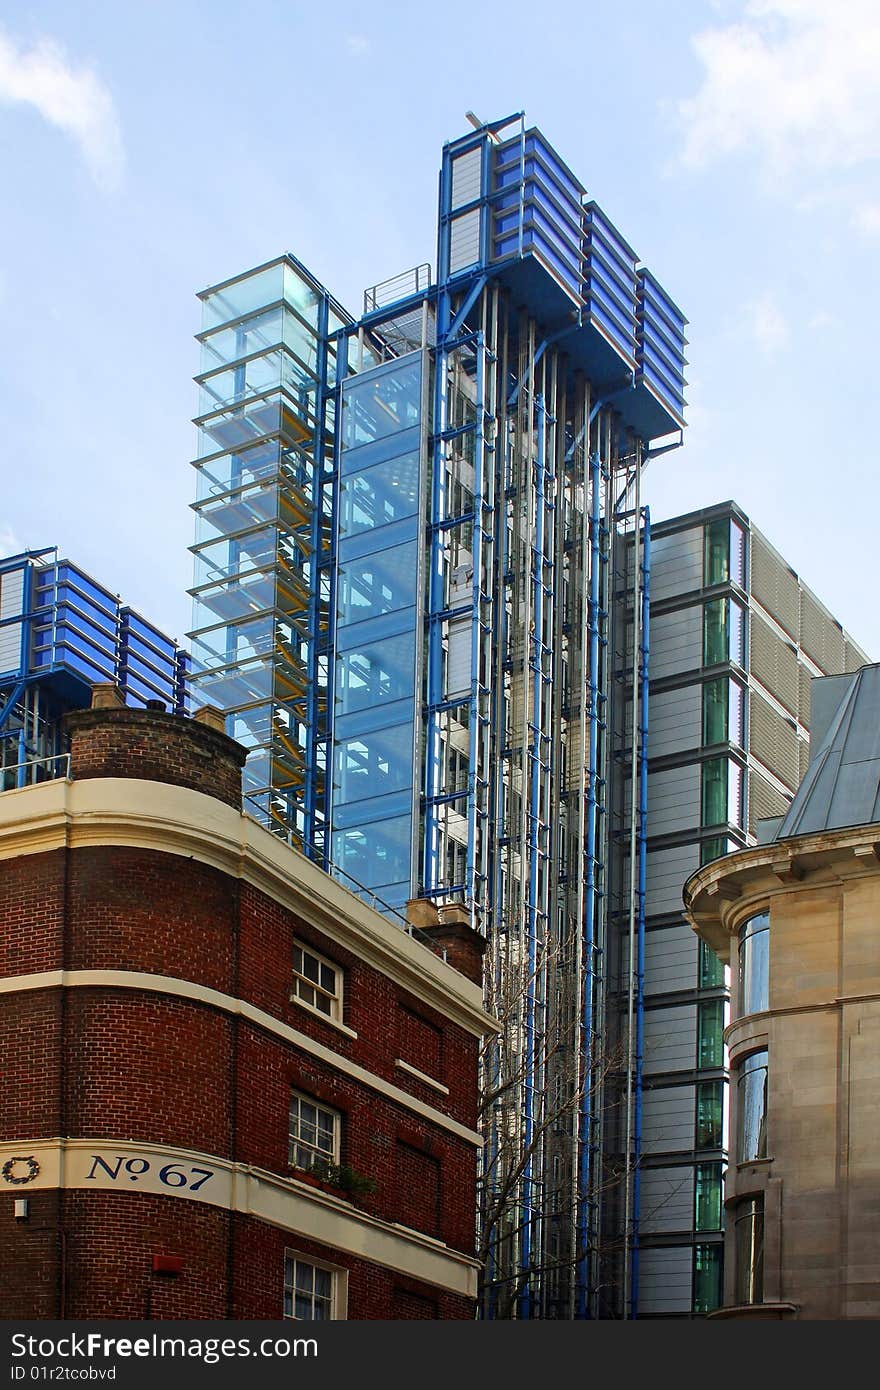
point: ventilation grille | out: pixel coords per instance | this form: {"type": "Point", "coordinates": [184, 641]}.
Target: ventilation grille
{"type": "Point", "coordinates": [764, 801]}
{"type": "Point", "coordinates": [775, 586]}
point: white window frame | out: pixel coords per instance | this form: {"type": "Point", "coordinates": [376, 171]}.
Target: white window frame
{"type": "Point", "coordinates": [303, 986]}
{"type": "Point", "coordinates": [338, 1299]}
{"type": "Point", "coordinates": [295, 1139]}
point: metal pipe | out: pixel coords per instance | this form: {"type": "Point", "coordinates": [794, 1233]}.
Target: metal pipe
{"type": "Point", "coordinates": [643, 855]}
{"type": "Point", "coordinates": [631, 935]}
{"type": "Point", "coordinates": [586, 1118]}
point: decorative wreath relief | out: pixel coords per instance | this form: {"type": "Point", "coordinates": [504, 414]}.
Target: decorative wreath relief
{"type": "Point", "coordinates": [8, 1175]}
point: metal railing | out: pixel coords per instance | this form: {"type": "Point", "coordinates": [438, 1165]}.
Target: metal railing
{"type": "Point", "coordinates": [336, 871]}
{"type": "Point", "coordinates": [23, 779]}
{"type": "Point", "coordinates": [402, 286]}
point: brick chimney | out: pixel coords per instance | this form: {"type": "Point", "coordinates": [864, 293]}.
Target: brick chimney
{"type": "Point", "coordinates": [449, 928]}
{"type": "Point", "coordinates": [113, 740]}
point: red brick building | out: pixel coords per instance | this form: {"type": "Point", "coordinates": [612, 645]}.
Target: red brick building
{"type": "Point", "coordinates": [228, 1087]}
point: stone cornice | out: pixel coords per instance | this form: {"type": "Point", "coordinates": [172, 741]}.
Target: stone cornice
{"type": "Point", "coordinates": [720, 895]}
{"type": "Point", "coordinates": [279, 1200]}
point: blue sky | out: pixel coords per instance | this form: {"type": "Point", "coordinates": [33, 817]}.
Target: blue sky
{"type": "Point", "coordinates": [150, 150]}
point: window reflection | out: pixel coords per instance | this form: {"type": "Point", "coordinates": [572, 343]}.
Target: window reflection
{"type": "Point", "coordinates": [754, 963]}
{"type": "Point", "coordinates": [379, 495]}
{"type": "Point", "coordinates": [375, 584]}
{"type": "Point", "coordinates": [752, 1107]}
{"type": "Point", "coordinates": [375, 673]}
{"type": "Point", "coordinates": [749, 1226]}
{"type": "Point", "coordinates": [374, 764]}
{"type": "Point", "coordinates": [382, 402]}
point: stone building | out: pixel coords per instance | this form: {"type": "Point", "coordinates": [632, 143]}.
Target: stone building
{"type": "Point", "coordinates": [796, 918]}
{"type": "Point", "coordinates": [230, 1089]}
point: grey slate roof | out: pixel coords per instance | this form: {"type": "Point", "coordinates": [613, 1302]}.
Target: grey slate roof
{"type": "Point", "coordinates": [842, 783]}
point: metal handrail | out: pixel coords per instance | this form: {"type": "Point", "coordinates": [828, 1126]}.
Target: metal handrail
{"type": "Point", "coordinates": [53, 759]}
{"type": "Point", "coordinates": [402, 286]}
{"type": "Point", "coordinates": [379, 904]}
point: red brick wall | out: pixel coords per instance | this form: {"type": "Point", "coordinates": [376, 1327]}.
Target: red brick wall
{"type": "Point", "coordinates": [159, 1069]}
{"type": "Point", "coordinates": [233, 1266]}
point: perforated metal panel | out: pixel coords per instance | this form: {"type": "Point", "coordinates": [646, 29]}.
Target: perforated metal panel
{"type": "Point", "coordinates": [773, 741]}
{"type": "Point", "coordinates": [774, 663]}
{"type": "Point", "coordinates": [804, 682]}
{"type": "Point", "coordinates": [775, 586]}
{"type": "Point", "coordinates": [852, 656]}
{"type": "Point", "coordinates": [803, 758]}
{"type": "Point", "coordinates": [764, 801]}
{"type": "Point", "coordinates": [821, 636]}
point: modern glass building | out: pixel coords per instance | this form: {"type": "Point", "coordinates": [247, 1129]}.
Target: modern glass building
{"type": "Point", "coordinates": [60, 633]}
{"type": "Point", "coordinates": [735, 638]}
{"type": "Point", "coordinates": [423, 574]}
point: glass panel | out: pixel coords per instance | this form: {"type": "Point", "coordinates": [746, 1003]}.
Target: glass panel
{"type": "Point", "coordinates": [252, 335]}
{"type": "Point", "coordinates": [737, 620]}
{"type": "Point", "coordinates": [238, 511]}
{"type": "Point", "coordinates": [751, 1107]}
{"type": "Point", "coordinates": [736, 714]}
{"type": "Point", "coordinates": [754, 965]}
{"type": "Point", "coordinates": [711, 973]}
{"type": "Point", "coordinates": [707, 1205]}
{"type": "Point", "coordinates": [379, 495]}
{"type": "Point", "coordinates": [734, 794]}
{"type": "Point", "coordinates": [382, 402]}
{"type": "Point", "coordinates": [243, 296]}
{"type": "Point", "coordinates": [375, 856]}
{"type": "Point", "coordinates": [716, 697]}
{"type": "Point", "coordinates": [714, 848]}
{"type": "Point", "coordinates": [375, 584]}
{"type": "Point", "coordinates": [377, 673]}
{"type": "Point", "coordinates": [716, 552]}
{"type": "Point", "coordinates": [737, 554]}
{"type": "Point", "coordinates": [710, 1025]}
{"type": "Point", "coordinates": [298, 292]}
{"type": "Point", "coordinates": [710, 1115]}
{"type": "Point", "coordinates": [714, 779]}
{"type": "Point", "coordinates": [749, 1225]}
{"type": "Point", "coordinates": [373, 764]}
{"type": "Point", "coordinates": [227, 471]}
{"type": "Point", "coordinates": [715, 622]}
{"type": "Point", "coordinates": [708, 1269]}
{"type": "Point", "coordinates": [235, 642]}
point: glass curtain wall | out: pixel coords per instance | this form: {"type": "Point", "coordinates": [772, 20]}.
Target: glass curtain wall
{"type": "Point", "coordinates": [262, 551]}
{"type": "Point", "coordinates": [378, 628]}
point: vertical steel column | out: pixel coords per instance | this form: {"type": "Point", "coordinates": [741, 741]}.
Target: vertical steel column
{"type": "Point", "coordinates": [314, 735]}
{"type": "Point", "coordinates": [633, 870]}
{"type": "Point", "coordinates": [436, 575]}
{"type": "Point", "coordinates": [644, 681]}
{"type": "Point", "coordinates": [535, 643]}
{"type": "Point", "coordinates": [586, 1118]}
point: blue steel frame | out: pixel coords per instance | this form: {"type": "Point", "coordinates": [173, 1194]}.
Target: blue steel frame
{"type": "Point", "coordinates": [642, 842]}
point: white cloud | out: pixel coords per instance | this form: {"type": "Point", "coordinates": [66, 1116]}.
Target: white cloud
{"type": "Point", "coordinates": [795, 82]}
{"type": "Point", "coordinates": [357, 44]}
{"type": "Point", "coordinates": [9, 542]}
{"type": "Point", "coordinates": [767, 324]}
{"type": "Point", "coordinates": [866, 220]}
{"type": "Point", "coordinates": [74, 99]}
